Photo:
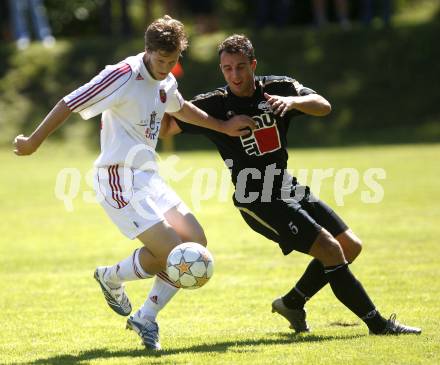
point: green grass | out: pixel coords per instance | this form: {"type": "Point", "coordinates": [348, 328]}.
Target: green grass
{"type": "Point", "coordinates": [52, 312]}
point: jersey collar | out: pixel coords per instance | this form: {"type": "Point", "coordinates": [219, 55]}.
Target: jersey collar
{"type": "Point", "coordinates": [144, 71]}
{"type": "Point", "coordinates": [258, 93]}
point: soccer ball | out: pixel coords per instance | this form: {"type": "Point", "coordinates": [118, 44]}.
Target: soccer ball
{"type": "Point", "coordinates": [190, 265]}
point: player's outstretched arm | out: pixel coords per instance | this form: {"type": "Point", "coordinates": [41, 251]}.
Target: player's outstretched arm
{"type": "Point", "coordinates": [312, 104]}
{"type": "Point", "coordinates": [27, 145]}
{"type": "Point", "coordinates": [238, 125]}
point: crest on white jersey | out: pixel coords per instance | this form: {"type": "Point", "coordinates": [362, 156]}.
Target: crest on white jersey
{"type": "Point", "coordinates": [163, 95]}
{"type": "Point", "coordinates": [152, 128]}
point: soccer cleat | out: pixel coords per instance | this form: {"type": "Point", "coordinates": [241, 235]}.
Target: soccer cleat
{"type": "Point", "coordinates": [393, 327]}
{"type": "Point", "coordinates": [148, 332]}
{"type": "Point", "coordinates": [115, 297]}
{"type": "Point", "coordinates": [296, 317]}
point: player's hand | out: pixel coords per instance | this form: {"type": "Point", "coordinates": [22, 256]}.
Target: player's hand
{"type": "Point", "coordinates": [24, 146]}
{"type": "Point", "coordinates": [239, 125]}
{"type": "Point", "coordinates": [280, 104]}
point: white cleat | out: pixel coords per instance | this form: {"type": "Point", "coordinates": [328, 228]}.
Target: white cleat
{"type": "Point", "coordinates": [115, 297]}
{"type": "Point", "coordinates": [148, 332]}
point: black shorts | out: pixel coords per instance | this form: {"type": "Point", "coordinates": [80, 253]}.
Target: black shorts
{"type": "Point", "coordinates": [293, 224]}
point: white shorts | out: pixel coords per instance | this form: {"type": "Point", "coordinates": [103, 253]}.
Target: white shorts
{"type": "Point", "coordinates": [134, 199]}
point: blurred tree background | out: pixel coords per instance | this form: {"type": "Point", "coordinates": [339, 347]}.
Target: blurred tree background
{"type": "Point", "coordinates": [381, 80]}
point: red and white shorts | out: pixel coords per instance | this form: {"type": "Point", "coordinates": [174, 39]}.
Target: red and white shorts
{"type": "Point", "coordinates": [135, 200]}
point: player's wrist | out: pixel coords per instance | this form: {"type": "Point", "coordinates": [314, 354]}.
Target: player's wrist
{"type": "Point", "coordinates": [35, 140]}
{"type": "Point", "coordinates": [219, 125]}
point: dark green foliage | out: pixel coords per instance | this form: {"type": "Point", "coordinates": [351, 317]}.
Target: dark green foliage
{"type": "Point", "coordinates": [382, 83]}
{"type": "Point", "coordinates": [74, 17]}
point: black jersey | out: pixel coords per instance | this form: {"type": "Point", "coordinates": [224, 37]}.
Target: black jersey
{"type": "Point", "coordinates": [260, 150]}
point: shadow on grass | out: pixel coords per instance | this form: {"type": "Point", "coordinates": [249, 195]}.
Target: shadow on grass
{"type": "Point", "coordinates": [219, 347]}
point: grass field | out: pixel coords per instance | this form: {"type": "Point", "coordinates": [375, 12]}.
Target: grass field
{"type": "Point", "coordinates": [52, 312]}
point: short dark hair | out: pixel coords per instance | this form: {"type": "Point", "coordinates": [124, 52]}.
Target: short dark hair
{"type": "Point", "coordinates": [237, 43]}
{"type": "Point", "coordinates": [165, 34]}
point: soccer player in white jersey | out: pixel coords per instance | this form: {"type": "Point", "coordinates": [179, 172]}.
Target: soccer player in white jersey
{"type": "Point", "coordinates": [132, 97]}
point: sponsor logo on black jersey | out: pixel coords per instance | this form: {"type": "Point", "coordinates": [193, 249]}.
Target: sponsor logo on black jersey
{"type": "Point", "coordinates": [264, 106]}
{"type": "Point", "coordinates": [265, 138]}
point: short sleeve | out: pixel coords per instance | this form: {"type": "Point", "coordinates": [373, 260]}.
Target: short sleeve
{"type": "Point", "coordinates": [175, 102]}
{"type": "Point", "coordinates": [302, 90]}
{"type": "Point", "coordinates": [287, 86]}
{"type": "Point", "coordinates": [297, 89]}
{"type": "Point", "coordinates": [100, 93]}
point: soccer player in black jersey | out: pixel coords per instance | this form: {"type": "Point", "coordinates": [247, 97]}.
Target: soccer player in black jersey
{"type": "Point", "coordinates": [270, 200]}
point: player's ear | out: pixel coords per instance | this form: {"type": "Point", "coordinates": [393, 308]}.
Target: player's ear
{"type": "Point", "coordinates": [254, 64]}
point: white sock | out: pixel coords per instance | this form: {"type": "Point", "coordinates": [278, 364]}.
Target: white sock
{"type": "Point", "coordinates": [128, 269]}
{"type": "Point", "coordinates": [161, 293]}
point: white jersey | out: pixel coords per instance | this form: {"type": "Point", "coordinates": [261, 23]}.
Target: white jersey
{"type": "Point", "coordinates": [132, 104]}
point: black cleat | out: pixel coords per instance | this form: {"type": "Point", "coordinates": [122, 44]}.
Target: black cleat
{"type": "Point", "coordinates": [395, 328]}
{"type": "Point", "coordinates": [296, 317]}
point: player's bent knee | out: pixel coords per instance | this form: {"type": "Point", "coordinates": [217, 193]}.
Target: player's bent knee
{"type": "Point", "coordinates": [357, 244]}
{"type": "Point", "coordinates": [160, 239]}
{"type": "Point", "coordinates": [355, 249]}
{"type": "Point", "coordinates": [351, 245]}
{"type": "Point", "coordinates": [327, 249]}
{"type": "Point", "coordinates": [198, 236]}
{"type": "Point", "coordinates": [202, 239]}
{"type": "Point", "coordinates": [334, 251]}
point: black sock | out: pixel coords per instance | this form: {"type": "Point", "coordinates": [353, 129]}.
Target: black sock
{"type": "Point", "coordinates": [312, 281]}
{"type": "Point", "coordinates": [353, 295]}
{"type": "Point", "coordinates": [375, 322]}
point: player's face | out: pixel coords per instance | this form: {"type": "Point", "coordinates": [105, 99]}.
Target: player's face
{"type": "Point", "coordinates": [160, 63]}
{"type": "Point", "coordinates": [238, 72]}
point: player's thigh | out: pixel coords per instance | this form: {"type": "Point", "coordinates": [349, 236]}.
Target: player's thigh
{"type": "Point", "coordinates": [185, 224]}
{"type": "Point", "coordinates": [325, 216]}
{"type": "Point", "coordinates": [333, 223]}
{"type": "Point", "coordinates": [126, 197]}
{"type": "Point", "coordinates": [160, 239]}
{"type": "Point", "coordinates": [284, 223]}
{"type": "Point", "coordinates": [259, 225]}
{"type": "Point", "coordinates": [176, 212]}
